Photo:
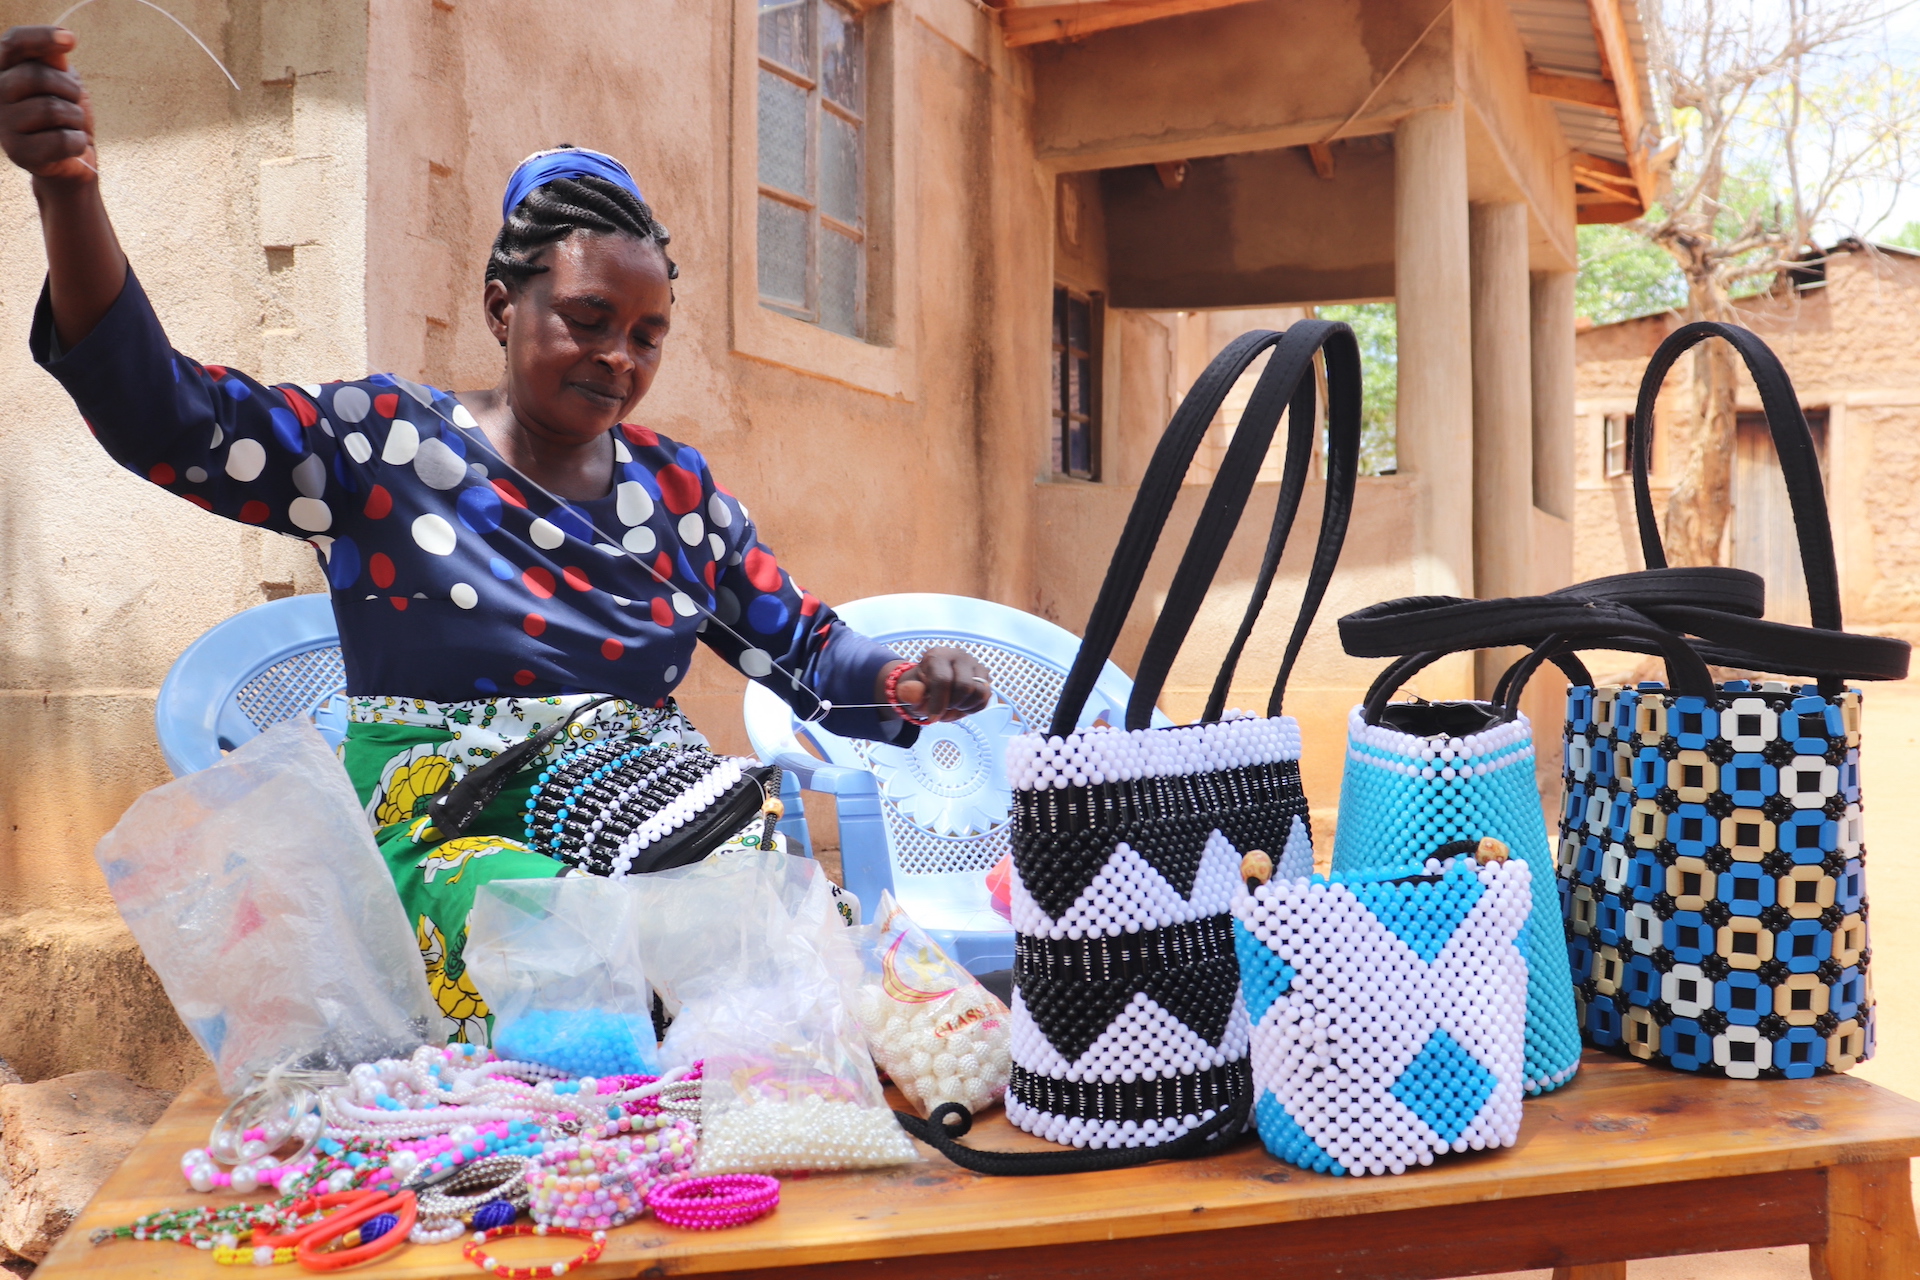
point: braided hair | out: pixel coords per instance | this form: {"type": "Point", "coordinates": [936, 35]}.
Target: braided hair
{"type": "Point", "coordinates": [552, 212]}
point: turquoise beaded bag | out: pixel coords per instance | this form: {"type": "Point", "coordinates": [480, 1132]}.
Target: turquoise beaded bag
{"type": "Point", "coordinates": [1425, 774]}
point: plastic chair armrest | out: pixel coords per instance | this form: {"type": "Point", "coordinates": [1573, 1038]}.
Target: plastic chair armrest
{"type": "Point", "coordinates": [814, 774]}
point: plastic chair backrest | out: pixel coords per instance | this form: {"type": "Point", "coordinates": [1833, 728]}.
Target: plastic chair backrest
{"type": "Point", "coordinates": [271, 663]}
{"type": "Point", "coordinates": [937, 821]}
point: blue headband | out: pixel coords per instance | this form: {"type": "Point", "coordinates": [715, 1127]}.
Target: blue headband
{"type": "Point", "coordinates": [542, 167]}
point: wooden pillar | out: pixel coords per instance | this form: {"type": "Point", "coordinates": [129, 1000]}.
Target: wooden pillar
{"type": "Point", "coordinates": [1553, 392]}
{"type": "Point", "coordinates": [1433, 413]}
{"type": "Point", "coordinates": [1502, 412]}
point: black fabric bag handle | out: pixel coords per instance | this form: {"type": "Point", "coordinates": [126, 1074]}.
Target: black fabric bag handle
{"type": "Point", "coordinates": [1343, 467]}
{"type": "Point", "coordinates": [1288, 379]}
{"type": "Point", "coordinates": [937, 1133]}
{"type": "Point", "coordinates": [1148, 516]}
{"type": "Point", "coordinates": [1792, 442]}
{"type": "Point", "coordinates": [1433, 626]}
{"type": "Point", "coordinates": [1286, 384]}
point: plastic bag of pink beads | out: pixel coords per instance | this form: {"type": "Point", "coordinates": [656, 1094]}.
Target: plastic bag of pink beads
{"type": "Point", "coordinates": [941, 1035]}
{"type": "Point", "coordinates": [558, 962]}
{"type": "Point", "coordinates": [257, 894]}
{"type": "Point", "coordinates": [751, 956]}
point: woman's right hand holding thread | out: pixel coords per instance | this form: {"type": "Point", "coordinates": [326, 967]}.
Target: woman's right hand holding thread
{"type": "Point", "coordinates": [46, 119]}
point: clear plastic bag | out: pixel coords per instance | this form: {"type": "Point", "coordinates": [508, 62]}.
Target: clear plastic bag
{"type": "Point", "coordinates": [256, 892]}
{"type": "Point", "coordinates": [558, 962]}
{"type": "Point", "coordinates": [941, 1035]}
{"type": "Point", "coordinates": [750, 954]}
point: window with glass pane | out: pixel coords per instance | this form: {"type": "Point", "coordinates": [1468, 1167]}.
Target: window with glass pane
{"type": "Point", "coordinates": [1613, 444]}
{"type": "Point", "coordinates": [1076, 386]}
{"type": "Point", "coordinates": [812, 163]}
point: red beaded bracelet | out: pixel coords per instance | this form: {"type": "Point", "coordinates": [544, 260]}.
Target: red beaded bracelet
{"type": "Point", "coordinates": [474, 1251]}
{"type": "Point", "coordinates": [892, 693]}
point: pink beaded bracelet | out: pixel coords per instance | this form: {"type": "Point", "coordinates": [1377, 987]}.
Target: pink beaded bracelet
{"type": "Point", "coordinates": [710, 1204]}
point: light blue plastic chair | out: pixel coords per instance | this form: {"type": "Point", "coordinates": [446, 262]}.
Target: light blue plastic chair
{"type": "Point", "coordinates": [270, 663]}
{"type": "Point", "coordinates": [929, 822]}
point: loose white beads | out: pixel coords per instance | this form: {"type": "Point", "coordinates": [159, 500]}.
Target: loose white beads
{"type": "Point", "coordinates": [812, 1133]}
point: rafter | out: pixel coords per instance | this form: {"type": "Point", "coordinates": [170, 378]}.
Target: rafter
{"type": "Point", "coordinates": [1616, 56]}
{"type": "Point", "coordinates": [1039, 23]}
{"type": "Point", "coordinates": [1579, 90]}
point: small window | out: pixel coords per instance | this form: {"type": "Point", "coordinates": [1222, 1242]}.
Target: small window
{"type": "Point", "coordinates": [1614, 430]}
{"type": "Point", "coordinates": [1076, 385]}
{"type": "Point", "coordinates": [812, 164]}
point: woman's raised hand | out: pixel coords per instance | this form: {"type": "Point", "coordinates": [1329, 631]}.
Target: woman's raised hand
{"type": "Point", "coordinates": [46, 120]}
{"type": "Point", "coordinates": [947, 684]}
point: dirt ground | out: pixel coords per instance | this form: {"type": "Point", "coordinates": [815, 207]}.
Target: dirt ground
{"type": "Point", "coordinates": [1890, 760]}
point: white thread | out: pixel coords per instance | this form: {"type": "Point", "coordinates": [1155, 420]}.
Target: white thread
{"type": "Point", "coordinates": [71, 9]}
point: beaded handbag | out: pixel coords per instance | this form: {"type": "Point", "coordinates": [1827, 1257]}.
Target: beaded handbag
{"type": "Point", "coordinates": [623, 805]}
{"type": "Point", "coordinates": [1419, 774]}
{"type": "Point", "coordinates": [1389, 1011]}
{"type": "Point", "coordinates": [1128, 1029]}
{"type": "Point", "coordinates": [1711, 860]}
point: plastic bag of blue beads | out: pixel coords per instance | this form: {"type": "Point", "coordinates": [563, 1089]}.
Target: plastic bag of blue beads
{"type": "Point", "coordinates": [581, 1042]}
{"type": "Point", "coordinates": [558, 963]}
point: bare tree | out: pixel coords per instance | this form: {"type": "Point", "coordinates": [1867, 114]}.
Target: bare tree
{"type": "Point", "coordinates": [1787, 120]}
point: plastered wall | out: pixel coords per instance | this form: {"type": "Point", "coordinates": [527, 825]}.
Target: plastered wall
{"type": "Point", "coordinates": [1848, 347]}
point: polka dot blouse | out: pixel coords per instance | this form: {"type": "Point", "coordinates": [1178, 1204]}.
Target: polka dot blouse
{"type": "Point", "coordinates": [452, 578]}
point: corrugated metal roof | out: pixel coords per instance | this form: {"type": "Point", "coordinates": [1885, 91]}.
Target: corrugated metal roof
{"type": "Point", "coordinates": [1558, 35]}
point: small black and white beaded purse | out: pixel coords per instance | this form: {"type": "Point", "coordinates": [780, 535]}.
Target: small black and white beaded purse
{"type": "Point", "coordinates": [623, 805]}
{"type": "Point", "coordinates": [1128, 1026]}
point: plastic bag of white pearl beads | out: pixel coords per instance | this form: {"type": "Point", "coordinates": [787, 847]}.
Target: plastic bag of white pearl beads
{"type": "Point", "coordinates": [932, 1027]}
{"type": "Point", "coordinates": [558, 962]}
{"type": "Point", "coordinates": [256, 893]}
{"type": "Point", "coordinates": [751, 956]}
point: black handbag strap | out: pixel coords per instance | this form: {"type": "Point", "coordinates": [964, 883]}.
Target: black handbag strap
{"type": "Point", "coordinates": [1148, 516]}
{"type": "Point", "coordinates": [457, 804]}
{"type": "Point", "coordinates": [1792, 442]}
{"type": "Point", "coordinates": [1343, 467]}
{"type": "Point", "coordinates": [1279, 384]}
{"type": "Point", "coordinates": [1433, 626]}
{"type": "Point", "coordinates": [951, 1120]}
{"type": "Point", "coordinates": [1286, 384]}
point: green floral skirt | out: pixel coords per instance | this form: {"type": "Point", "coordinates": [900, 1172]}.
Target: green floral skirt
{"type": "Point", "coordinates": [400, 751]}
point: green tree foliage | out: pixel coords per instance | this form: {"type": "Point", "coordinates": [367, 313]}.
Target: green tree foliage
{"type": "Point", "coordinates": [1623, 275]}
{"type": "Point", "coordinates": [1373, 325]}
{"type": "Point", "coordinates": [1908, 237]}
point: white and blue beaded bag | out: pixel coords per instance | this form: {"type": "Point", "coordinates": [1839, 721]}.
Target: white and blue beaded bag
{"type": "Point", "coordinates": [1389, 1011]}
{"type": "Point", "coordinates": [1127, 1026]}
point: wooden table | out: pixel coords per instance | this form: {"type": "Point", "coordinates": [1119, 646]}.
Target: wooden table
{"type": "Point", "coordinates": [1627, 1162]}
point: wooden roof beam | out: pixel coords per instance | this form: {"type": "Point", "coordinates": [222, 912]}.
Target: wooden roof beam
{"type": "Point", "coordinates": [1024, 24]}
{"type": "Point", "coordinates": [1616, 57]}
{"type": "Point", "coordinates": [1580, 91]}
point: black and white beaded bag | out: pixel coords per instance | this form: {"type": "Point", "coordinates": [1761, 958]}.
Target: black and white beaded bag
{"type": "Point", "coordinates": [1128, 1026]}
{"type": "Point", "coordinates": [623, 805]}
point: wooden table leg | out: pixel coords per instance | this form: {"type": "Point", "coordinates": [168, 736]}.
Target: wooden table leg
{"type": "Point", "coordinates": [1870, 1225]}
{"type": "Point", "coordinates": [1592, 1271]}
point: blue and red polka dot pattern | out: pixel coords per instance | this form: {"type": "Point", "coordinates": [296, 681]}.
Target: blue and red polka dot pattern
{"type": "Point", "coordinates": [451, 577]}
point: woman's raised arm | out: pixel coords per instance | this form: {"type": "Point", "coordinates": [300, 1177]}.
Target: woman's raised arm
{"type": "Point", "coordinates": [46, 127]}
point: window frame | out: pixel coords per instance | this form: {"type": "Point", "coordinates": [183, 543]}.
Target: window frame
{"type": "Point", "coordinates": [1616, 436]}
{"type": "Point", "coordinates": [1062, 352]}
{"type": "Point", "coordinates": [884, 361]}
{"type": "Point", "coordinates": [820, 223]}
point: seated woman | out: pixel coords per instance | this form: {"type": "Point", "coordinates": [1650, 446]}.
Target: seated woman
{"type": "Point", "coordinates": [498, 559]}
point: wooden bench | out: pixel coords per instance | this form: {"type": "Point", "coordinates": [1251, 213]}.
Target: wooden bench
{"type": "Point", "coordinates": [1627, 1162]}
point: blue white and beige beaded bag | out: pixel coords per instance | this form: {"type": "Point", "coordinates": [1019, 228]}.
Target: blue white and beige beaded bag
{"type": "Point", "coordinates": [1389, 1010]}
{"type": "Point", "coordinates": [1128, 1029]}
{"type": "Point", "coordinates": [1711, 858]}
